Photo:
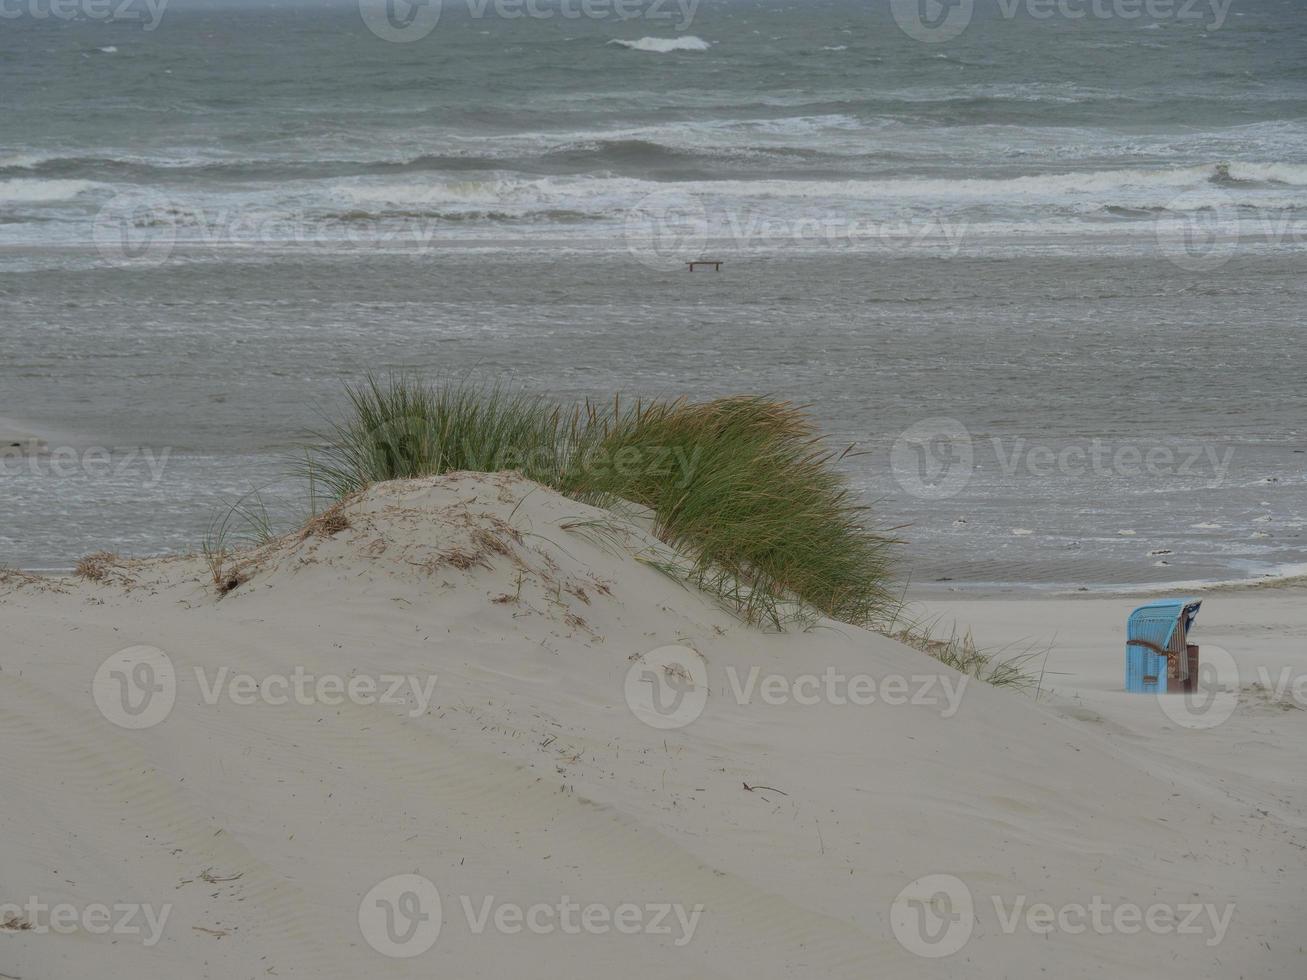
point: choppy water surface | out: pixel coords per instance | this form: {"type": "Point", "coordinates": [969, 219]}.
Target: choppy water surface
{"type": "Point", "coordinates": [1049, 273]}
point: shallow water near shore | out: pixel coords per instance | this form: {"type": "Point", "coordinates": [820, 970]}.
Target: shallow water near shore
{"type": "Point", "coordinates": [1123, 421]}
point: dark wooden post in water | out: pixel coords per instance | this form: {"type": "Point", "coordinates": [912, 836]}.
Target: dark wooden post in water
{"type": "Point", "coordinates": [716, 264]}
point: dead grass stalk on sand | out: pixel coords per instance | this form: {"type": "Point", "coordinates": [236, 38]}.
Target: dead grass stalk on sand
{"type": "Point", "coordinates": [95, 567]}
{"type": "Point", "coordinates": [959, 651]}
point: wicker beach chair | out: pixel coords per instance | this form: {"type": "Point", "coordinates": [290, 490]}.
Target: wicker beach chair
{"type": "Point", "coordinates": [1158, 654]}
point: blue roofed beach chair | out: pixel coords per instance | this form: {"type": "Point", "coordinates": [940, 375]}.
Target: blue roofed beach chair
{"type": "Point", "coordinates": [1158, 655]}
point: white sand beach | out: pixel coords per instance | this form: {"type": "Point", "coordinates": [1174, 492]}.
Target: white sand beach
{"type": "Point", "coordinates": [447, 689]}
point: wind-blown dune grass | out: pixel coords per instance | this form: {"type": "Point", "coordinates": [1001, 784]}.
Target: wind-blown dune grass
{"type": "Point", "coordinates": [745, 487]}
{"type": "Point", "coordinates": [402, 428]}
{"type": "Point", "coordinates": [758, 502]}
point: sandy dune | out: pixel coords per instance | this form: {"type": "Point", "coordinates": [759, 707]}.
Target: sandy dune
{"type": "Point", "coordinates": [565, 759]}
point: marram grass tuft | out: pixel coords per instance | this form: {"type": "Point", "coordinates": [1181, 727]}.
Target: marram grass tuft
{"type": "Point", "coordinates": [744, 487]}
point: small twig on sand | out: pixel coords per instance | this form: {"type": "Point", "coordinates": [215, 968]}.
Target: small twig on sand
{"type": "Point", "coordinates": [213, 879]}
{"type": "Point", "coordinates": [772, 789]}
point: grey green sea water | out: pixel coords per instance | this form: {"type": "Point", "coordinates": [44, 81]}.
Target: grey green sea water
{"type": "Point", "coordinates": [1046, 269]}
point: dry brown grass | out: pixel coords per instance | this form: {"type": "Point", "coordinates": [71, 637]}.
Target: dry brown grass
{"type": "Point", "coordinates": [491, 541]}
{"type": "Point", "coordinates": [13, 578]}
{"type": "Point", "coordinates": [331, 521]}
{"type": "Point", "coordinates": [462, 559]}
{"type": "Point", "coordinates": [225, 580]}
{"type": "Point", "coordinates": [961, 652]}
{"type": "Point", "coordinates": [95, 567]}
{"type": "Point", "coordinates": [14, 923]}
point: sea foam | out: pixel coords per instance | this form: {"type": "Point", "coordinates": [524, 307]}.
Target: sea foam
{"type": "Point", "coordinates": [664, 44]}
{"type": "Point", "coordinates": [41, 190]}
